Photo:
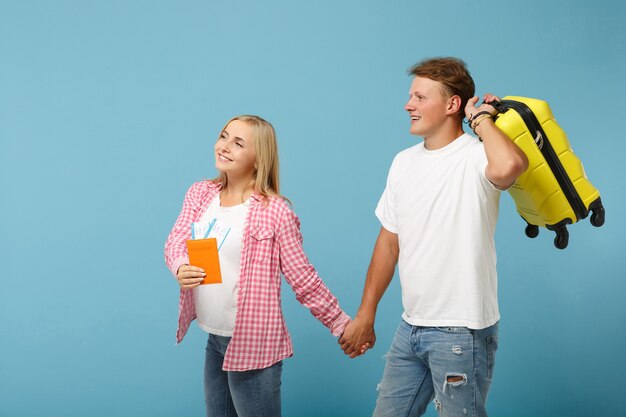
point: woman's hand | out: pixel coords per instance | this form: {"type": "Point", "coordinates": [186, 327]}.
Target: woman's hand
{"type": "Point", "coordinates": [189, 276]}
{"type": "Point", "coordinates": [357, 338]}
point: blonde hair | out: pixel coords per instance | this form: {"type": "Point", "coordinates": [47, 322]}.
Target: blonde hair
{"type": "Point", "coordinates": [266, 177]}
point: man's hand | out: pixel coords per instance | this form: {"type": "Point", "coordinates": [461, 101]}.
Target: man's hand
{"type": "Point", "coordinates": [358, 337]}
{"type": "Point", "coordinates": [471, 109]}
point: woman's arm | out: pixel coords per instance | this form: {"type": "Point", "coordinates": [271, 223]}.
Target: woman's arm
{"type": "Point", "coordinates": [176, 257]}
{"type": "Point", "coordinates": [310, 290]}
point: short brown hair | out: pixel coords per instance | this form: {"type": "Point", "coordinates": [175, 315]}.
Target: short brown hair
{"type": "Point", "coordinates": [452, 73]}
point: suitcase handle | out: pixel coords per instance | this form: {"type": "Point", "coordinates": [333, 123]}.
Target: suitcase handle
{"type": "Point", "coordinates": [497, 105]}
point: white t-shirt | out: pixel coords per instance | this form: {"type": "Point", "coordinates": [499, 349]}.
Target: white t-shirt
{"type": "Point", "coordinates": [444, 211]}
{"type": "Point", "coordinates": [216, 304]}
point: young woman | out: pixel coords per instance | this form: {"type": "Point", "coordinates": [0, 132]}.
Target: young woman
{"type": "Point", "coordinates": [259, 239]}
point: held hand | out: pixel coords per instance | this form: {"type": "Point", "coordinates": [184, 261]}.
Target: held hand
{"type": "Point", "coordinates": [471, 109]}
{"type": "Point", "coordinates": [190, 276]}
{"type": "Point", "coordinates": [358, 337]}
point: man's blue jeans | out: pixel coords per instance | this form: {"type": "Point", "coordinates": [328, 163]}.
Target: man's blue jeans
{"type": "Point", "coordinates": [253, 393]}
{"type": "Point", "coordinates": [452, 365]}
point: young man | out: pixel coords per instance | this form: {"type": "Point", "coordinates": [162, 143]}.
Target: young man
{"type": "Point", "coordinates": [438, 214]}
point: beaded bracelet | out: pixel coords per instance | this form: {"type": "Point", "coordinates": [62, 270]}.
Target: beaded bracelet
{"type": "Point", "coordinates": [474, 116]}
{"type": "Point", "coordinates": [476, 121]}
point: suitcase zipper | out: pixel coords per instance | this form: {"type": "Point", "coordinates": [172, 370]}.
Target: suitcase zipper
{"type": "Point", "coordinates": [544, 145]}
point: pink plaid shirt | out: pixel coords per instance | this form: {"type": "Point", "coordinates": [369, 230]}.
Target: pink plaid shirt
{"type": "Point", "coordinates": [271, 245]}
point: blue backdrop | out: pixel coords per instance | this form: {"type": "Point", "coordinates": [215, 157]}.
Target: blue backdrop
{"type": "Point", "coordinates": [109, 111]}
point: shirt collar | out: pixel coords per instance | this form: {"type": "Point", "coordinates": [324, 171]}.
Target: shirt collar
{"type": "Point", "coordinates": [257, 196]}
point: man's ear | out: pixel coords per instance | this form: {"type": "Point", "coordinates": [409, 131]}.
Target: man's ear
{"type": "Point", "coordinates": [454, 104]}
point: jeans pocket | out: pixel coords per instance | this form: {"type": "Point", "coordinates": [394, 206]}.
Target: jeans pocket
{"type": "Point", "coordinates": [492, 347]}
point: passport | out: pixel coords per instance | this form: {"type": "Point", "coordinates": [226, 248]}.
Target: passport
{"type": "Point", "coordinates": [203, 253]}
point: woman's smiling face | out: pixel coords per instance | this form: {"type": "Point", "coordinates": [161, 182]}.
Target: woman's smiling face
{"type": "Point", "coordinates": [234, 150]}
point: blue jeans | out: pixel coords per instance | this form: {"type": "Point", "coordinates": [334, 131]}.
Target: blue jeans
{"type": "Point", "coordinates": [452, 365]}
{"type": "Point", "coordinates": [254, 393]}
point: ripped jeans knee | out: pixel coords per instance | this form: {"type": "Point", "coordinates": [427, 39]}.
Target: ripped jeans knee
{"type": "Point", "coordinates": [454, 380]}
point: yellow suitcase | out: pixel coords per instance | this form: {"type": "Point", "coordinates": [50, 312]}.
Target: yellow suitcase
{"type": "Point", "coordinates": [554, 191]}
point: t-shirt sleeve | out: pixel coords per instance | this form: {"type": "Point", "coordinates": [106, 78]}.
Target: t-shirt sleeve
{"type": "Point", "coordinates": [481, 165]}
{"type": "Point", "coordinates": [386, 208]}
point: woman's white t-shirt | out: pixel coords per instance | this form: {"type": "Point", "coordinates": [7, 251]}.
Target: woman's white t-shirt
{"type": "Point", "coordinates": [216, 304]}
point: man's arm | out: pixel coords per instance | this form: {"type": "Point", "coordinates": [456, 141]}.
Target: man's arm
{"type": "Point", "coordinates": [360, 335]}
{"type": "Point", "coordinates": [505, 160]}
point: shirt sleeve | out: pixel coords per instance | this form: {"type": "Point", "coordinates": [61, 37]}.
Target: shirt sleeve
{"type": "Point", "coordinates": [310, 290]}
{"type": "Point", "coordinates": [386, 208]}
{"type": "Point", "coordinates": [481, 164]}
{"type": "Point", "coordinates": [176, 244]}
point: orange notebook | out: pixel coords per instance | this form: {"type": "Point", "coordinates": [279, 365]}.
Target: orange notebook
{"type": "Point", "coordinates": [203, 254]}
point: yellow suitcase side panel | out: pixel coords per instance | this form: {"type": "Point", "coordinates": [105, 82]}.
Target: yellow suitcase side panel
{"type": "Point", "coordinates": [572, 164]}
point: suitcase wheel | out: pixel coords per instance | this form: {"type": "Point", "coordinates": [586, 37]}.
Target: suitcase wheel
{"type": "Point", "coordinates": [562, 238]}
{"type": "Point", "coordinates": [597, 212]}
{"type": "Point", "coordinates": [597, 216]}
{"type": "Point", "coordinates": [532, 231]}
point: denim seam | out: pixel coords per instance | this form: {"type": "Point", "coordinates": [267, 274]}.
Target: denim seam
{"type": "Point", "coordinates": [413, 337]}
{"type": "Point", "coordinates": [414, 340]}
{"type": "Point", "coordinates": [475, 376]}
{"type": "Point", "coordinates": [414, 397]}
{"type": "Point", "coordinates": [489, 347]}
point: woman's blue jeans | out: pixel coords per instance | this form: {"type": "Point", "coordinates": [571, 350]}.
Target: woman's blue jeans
{"type": "Point", "coordinates": [452, 365]}
{"type": "Point", "coordinates": [254, 393]}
